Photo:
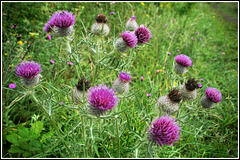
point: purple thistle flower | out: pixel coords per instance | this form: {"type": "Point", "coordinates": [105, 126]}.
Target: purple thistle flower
{"type": "Point", "coordinates": [148, 95]}
{"type": "Point", "coordinates": [192, 39]}
{"type": "Point", "coordinates": [169, 53]}
{"type": "Point", "coordinates": [125, 76]}
{"type": "Point", "coordinates": [133, 18]}
{"type": "Point", "coordinates": [111, 13]}
{"type": "Point", "coordinates": [165, 25]}
{"type": "Point", "coordinates": [143, 34]}
{"type": "Point", "coordinates": [61, 102]}
{"type": "Point", "coordinates": [101, 99]}
{"type": "Point", "coordinates": [213, 94]}
{"type": "Point", "coordinates": [164, 131]}
{"type": "Point", "coordinates": [157, 71]}
{"type": "Point", "coordinates": [196, 32]}
{"type": "Point", "coordinates": [52, 61]}
{"type": "Point", "coordinates": [201, 79]}
{"type": "Point", "coordinates": [200, 39]}
{"type": "Point", "coordinates": [142, 78]}
{"type": "Point", "coordinates": [63, 19]}
{"type": "Point", "coordinates": [28, 69]}
{"type": "Point", "coordinates": [214, 50]}
{"type": "Point", "coordinates": [178, 50]}
{"type": "Point", "coordinates": [130, 38]}
{"type": "Point", "coordinates": [183, 60]}
{"type": "Point", "coordinates": [12, 85]}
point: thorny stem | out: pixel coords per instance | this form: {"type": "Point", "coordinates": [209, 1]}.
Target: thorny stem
{"type": "Point", "coordinates": [53, 123]}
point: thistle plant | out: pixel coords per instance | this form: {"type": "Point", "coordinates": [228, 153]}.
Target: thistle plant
{"type": "Point", "coordinates": [28, 71]}
{"type": "Point", "coordinates": [169, 103]}
{"type": "Point", "coordinates": [212, 96]}
{"type": "Point", "coordinates": [121, 84]}
{"type": "Point", "coordinates": [61, 25]}
{"type": "Point", "coordinates": [143, 34]}
{"type": "Point", "coordinates": [82, 86]}
{"type": "Point", "coordinates": [131, 24]}
{"type": "Point", "coordinates": [164, 131]}
{"type": "Point", "coordinates": [126, 41]}
{"type": "Point", "coordinates": [100, 26]}
{"type": "Point", "coordinates": [189, 89]}
{"type": "Point", "coordinates": [101, 99]}
{"type": "Point", "coordinates": [183, 62]}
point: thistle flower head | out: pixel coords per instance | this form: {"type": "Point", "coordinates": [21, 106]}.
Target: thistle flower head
{"type": "Point", "coordinates": [102, 97]}
{"type": "Point", "coordinates": [125, 76]}
{"type": "Point", "coordinates": [164, 131]}
{"type": "Point", "coordinates": [191, 84]}
{"type": "Point", "coordinates": [130, 38]}
{"type": "Point", "coordinates": [213, 94]}
{"type": "Point", "coordinates": [143, 34]}
{"type": "Point", "coordinates": [132, 24]}
{"type": "Point", "coordinates": [101, 18]}
{"type": "Point", "coordinates": [175, 95]}
{"type": "Point", "coordinates": [27, 69]}
{"type": "Point", "coordinates": [82, 82]}
{"type": "Point", "coordinates": [63, 19]}
{"type": "Point", "coordinates": [183, 60]}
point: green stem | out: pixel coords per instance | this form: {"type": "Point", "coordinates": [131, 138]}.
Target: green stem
{"type": "Point", "coordinates": [91, 136]}
{"type": "Point", "coordinates": [84, 138]}
{"type": "Point", "coordinates": [69, 46]}
{"type": "Point", "coordinates": [149, 145]}
{"type": "Point", "coordinates": [118, 139]}
{"type": "Point", "coordinates": [53, 123]}
{"type": "Point", "coordinates": [96, 61]}
{"type": "Point", "coordinates": [15, 100]}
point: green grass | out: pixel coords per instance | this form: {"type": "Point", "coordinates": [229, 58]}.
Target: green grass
{"type": "Point", "coordinates": [69, 131]}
